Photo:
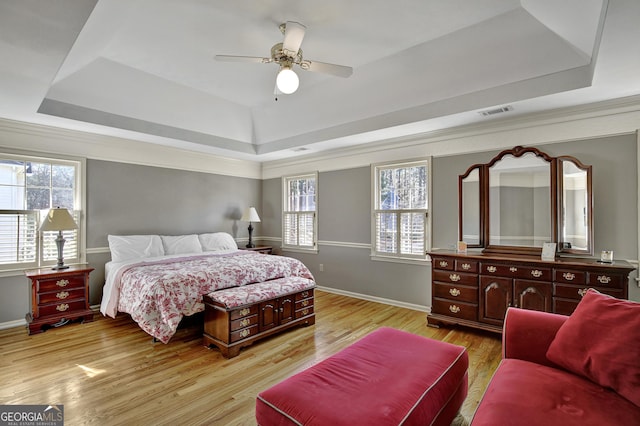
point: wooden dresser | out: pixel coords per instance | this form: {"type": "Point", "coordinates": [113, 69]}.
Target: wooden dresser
{"type": "Point", "coordinates": [58, 296]}
{"type": "Point", "coordinates": [475, 289]}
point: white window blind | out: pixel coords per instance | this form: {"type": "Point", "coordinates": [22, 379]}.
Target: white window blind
{"type": "Point", "coordinates": [400, 209]}
{"type": "Point", "coordinates": [299, 212]}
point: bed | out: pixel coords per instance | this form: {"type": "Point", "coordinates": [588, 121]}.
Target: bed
{"type": "Point", "coordinates": [160, 279]}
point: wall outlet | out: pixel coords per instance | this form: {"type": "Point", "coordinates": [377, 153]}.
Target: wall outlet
{"type": "Point", "coordinates": [321, 267]}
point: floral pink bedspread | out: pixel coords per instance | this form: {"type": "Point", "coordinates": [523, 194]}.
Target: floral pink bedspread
{"type": "Point", "coordinates": [158, 294]}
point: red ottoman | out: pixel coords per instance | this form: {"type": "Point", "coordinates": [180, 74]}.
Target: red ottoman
{"type": "Point", "coordinates": [389, 377]}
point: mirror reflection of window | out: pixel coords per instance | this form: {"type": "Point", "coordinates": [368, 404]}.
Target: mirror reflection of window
{"type": "Point", "coordinates": [574, 206]}
{"type": "Point", "coordinates": [471, 208]}
{"type": "Point", "coordinates": [519, 200]}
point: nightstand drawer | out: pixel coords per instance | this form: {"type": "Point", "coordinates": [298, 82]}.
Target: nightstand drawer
{"type": "Point", "coordinates": [61, 296]}
{"type": "Point", "coordinates": [62, 308]}
{"type": "Point", "coordinates": [62, 283]}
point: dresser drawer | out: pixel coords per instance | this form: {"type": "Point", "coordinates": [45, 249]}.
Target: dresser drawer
{"type": "Point", "coordinates": [64, 283]}
{"type": "Point", "coordinates": [576, 292]}
{"type": "Point", "coordinates": [569, 276]}
{"type": "Point", "coordinates": [516, 271]}
{"type": "Point", "coordinates": [604, 279]}
{"type": "Point", "coordinates": [243, 333]}
{"type": "Point", "coordinates": [445, 263]}
{"type": "Point", "coordinates": [61, 308]}
{"type": "Point", "coordinates": [456, 309]}
{"type": "Point", "coordinates": [454, 277]}
{"type": "Point", "coordinates": [244, 322]}
{"type": "Point", "coordinates": [455, 292]}
{"type": "Point", "coordinates": [243, 312]}
{"type": "Point", "coordinates": [61, 295]}
{"type": "Point", "coordinates": [304, 294]}
{"type": "Point", "coordinates": [464, 265]}
{"type": "Point", "coordinates": [304, 312]}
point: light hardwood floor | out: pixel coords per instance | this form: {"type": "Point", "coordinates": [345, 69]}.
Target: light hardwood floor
{"type": "Point", "coordinates": [108, 372]}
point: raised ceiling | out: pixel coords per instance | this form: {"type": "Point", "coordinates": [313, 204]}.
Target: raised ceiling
{"type": "Point", "coordinates": [145, 69]}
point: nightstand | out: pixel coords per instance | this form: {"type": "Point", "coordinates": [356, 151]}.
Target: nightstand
{"type": "Point", "coordinates": [260, 249]}
{"type": "Point", "coordinates": [58, 297]}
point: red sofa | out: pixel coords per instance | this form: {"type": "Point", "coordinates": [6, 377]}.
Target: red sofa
{"type": "Point", "coordinates": [529, 388]}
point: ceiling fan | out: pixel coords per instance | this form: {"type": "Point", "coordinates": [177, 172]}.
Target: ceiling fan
{"type": "Point", "coordinates": [286, 55]}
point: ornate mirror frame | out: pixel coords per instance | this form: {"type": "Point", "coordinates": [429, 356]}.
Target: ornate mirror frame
{"type": "Point", "coordinates": [570, 187]}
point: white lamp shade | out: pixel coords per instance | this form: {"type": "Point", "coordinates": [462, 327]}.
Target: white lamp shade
{"type": "Point", "coordinates": [287, 81]}
{"type": "Point", "coordinates": [250, 215]}
{"type": "Point", "coordinates": [58, 220]}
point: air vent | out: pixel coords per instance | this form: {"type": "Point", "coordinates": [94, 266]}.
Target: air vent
{"type": "Point", "coordinates": [495, 111]}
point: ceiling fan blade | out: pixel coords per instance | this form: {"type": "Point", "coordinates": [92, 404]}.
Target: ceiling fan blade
{"type": "Point", "coordinates": [232, 58]}
{"type": "Point", "coordinates": [293, 35]}
{"type": "Point", "coordinates": [325, 68]}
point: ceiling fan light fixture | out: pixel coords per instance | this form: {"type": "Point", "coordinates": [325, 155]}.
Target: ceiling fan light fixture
{"type": "Point", "coordinates": [287, 81]}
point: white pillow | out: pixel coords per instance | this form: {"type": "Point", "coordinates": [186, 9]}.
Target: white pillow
{"type": "Point", "coordinates": [130, 247]}
{"type": "Point", "coordinates": [217, 241]}
{"type": "Point", "coordinates": [181, 244]}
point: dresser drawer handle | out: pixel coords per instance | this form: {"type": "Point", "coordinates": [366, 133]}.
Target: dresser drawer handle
{"type": "Point", "coordinates": [443, 263]}
{"type": "Point", "coordinates": [62, 283]}
{"type": "Point", "coordinates": [62, 307]}
{"type": "Point", "coordinates": [582, 291]}
{"type": "Point", "coordinates": [245, 332]}
{"type": "Point", "coordinates": [466, 266]}
{"type": "Point", "coordinates": [536, 273]}
{"type": "Point", "coordinates": [569, 276]}
{"type": "Point", "coordinates": [454, 309]}
{"type": "Point", "coordinates": [603, 279]}
{"type": "Point", "coordinates": [62, 295]}
{"type": "Point", "coordinates": [245, 311]}
{"type": "Point", "coordinates": [491, 269]}
{"type": "Point", "coordinates": [513, 269]}
{"type": "Point", "coordinates": [245, 322]}
{"type": "Point", "coordinates": [454, 277]}
{"type": "Point", "coordinates": [454, 292]}
{"type": "Point", "coordinates": [305, 303]}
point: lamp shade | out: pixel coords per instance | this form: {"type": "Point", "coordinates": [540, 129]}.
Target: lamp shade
{"type": "Point", "coordinates": [58, 219]}
{"type": "Point", "coordinates": [287, 81]}
{"type": "Point", "coordinates": [250, 215]}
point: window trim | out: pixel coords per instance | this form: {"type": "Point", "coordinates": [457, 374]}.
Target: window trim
{"type": "Point", "coordinates": [80, 206]}
{"type": "Point", "coordinates": [285, 194]}
{"type": "Point", "coordinates": [401, 258]}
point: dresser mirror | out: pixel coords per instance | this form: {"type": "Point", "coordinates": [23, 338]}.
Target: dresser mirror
{"type": "Point", "coordinates": [524, 198]}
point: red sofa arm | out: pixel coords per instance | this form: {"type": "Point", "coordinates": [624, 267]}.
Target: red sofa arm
{"type": "Point", "coordinates": [527, 334]}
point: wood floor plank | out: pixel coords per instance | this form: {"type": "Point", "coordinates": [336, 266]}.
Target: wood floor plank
{"type": "Point", "coordinates": [109, 372]}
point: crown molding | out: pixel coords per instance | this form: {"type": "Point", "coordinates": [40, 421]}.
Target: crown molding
{"type": "Point", "coordinates": [59, 141]}
{"type": "Point", "coordinates": [606, 118]}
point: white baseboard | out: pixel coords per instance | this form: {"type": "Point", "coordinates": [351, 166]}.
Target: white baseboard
{"type": "Point", "coordinates": [12, 324]}
{"type": "Point", "coordinates": [391, 302]}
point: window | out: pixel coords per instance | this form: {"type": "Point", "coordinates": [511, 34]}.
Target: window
{"type": "Point", "coordinates": [400, 206]}
{"type": "Point", "coordinates": [29, 187]}
{"type": "Point", "coordinates": [299, 222]}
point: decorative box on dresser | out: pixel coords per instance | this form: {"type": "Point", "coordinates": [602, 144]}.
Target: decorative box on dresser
{"type": "Point", "coordinates": [475, 289]}
{"type": "Point", "coordinates": [58, 297]}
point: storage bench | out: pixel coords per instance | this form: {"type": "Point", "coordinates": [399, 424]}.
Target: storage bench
{"type": "Point", "coordinates": [238, 316]}
{"type": "Point", "coordinates": [389, 377]}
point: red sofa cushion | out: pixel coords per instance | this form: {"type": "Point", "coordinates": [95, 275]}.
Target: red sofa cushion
{"type": "Point", "coordinates": [601, 341]}
{"type": "Point", "coordinates": [526, 393]}
{"type": "Point", "coordinates": [389, 377]}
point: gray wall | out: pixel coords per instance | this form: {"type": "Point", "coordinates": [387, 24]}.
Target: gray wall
{"type": "Point", "coordinates": [345, 215]}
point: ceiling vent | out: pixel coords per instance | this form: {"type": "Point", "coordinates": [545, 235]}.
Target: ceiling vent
{"type": "Point", "coordinates": [495, 111]}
